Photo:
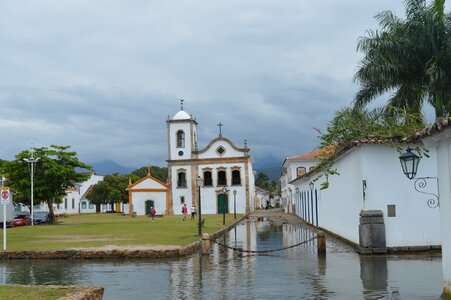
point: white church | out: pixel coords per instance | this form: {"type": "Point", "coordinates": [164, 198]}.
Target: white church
{"type": "Point", "coordinates": [225, 169]}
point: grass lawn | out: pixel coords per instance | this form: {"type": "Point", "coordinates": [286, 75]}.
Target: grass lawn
{"type": "Point", "coordinates": [96, 230]}
{"type": "Point", "coordinates": [32, 293]}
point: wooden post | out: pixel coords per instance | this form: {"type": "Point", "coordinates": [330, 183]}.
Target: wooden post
{"type": "Point", "coordinates": [206, 244]}
{"type": "Point", "coordinates": [321, 243]}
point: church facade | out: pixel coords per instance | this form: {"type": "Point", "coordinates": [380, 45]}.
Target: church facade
{"type": "Point", "coordinates": [226, 171]}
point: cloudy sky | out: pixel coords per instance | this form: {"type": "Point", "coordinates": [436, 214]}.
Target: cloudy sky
{"type": "Point", "coordinates": [103, 76]}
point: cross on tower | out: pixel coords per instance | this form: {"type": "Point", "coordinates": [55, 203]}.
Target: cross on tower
{"type": "Point", "coordinates": [220, 128]}
{"type": "Point", "coordinates": [181, 104]}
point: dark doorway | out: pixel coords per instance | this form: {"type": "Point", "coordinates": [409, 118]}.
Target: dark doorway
{"type": "Point", "coordinates": [223, 204]}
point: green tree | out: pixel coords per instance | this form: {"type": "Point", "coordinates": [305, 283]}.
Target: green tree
{"type": "Point", "coordinates": [112, 189]}
{"type": "Point", "coordinates": [55, 173]}
{"type": "Point", "coordinates": [409, 57]}
{"type": "Point", "coordinates": [160, 173]}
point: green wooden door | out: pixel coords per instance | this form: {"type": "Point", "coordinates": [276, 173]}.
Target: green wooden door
{"type": "Point", "coordinates": [223, 204]}
{"type": "Point", "coordinates": [149, 204]}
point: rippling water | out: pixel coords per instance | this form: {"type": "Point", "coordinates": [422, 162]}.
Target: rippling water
{"type": "Point", "coordinates": [297, 273]}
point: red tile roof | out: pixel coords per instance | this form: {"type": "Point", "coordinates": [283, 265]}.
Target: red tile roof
{"type": "Point", "coordinates": [310, 155]}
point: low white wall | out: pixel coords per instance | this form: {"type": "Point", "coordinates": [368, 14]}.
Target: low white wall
{"type": "Point", "coordinates": [415, 224]}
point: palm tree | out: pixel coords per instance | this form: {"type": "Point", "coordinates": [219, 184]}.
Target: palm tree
{"type": "Point", "coordinates": [411, 59]}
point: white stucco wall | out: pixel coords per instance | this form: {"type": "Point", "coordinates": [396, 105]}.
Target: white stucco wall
{"type": "Point", "coordinates": [229, 151]}
{"type": "Point", "coordinates": [174, 150]}
{"type": "Point", "coordinates": [209, 194]}
{"type": "Point", "coordinates": [182, 191]}
{"type": "Point", "coordinates": [415, 224]}
{"type": "Point", "coordinates": [140, 198]}
{"type": "Point", "coordinates": [442, 143]}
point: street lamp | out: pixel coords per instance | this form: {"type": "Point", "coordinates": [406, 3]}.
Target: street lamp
{"type": "Point", "coordinates": [199, 182]}
{"type": "Point", "coordinates": [234, 204]}
{"type": "Point", "coordinates": [32, 161]}
{"type": "Point", "coordinates": [409, 163]}
{"type": "Point", "coordinates": [224, 191]}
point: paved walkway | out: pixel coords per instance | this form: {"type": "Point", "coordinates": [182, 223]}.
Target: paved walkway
{"type": "Point", "coordinates": [277, 213]}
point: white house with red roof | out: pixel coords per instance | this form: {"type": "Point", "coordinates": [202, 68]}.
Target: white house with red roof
{"type": "Point", "coordinates": [370, 180]}
{"type": "Point", "coordinates": [294, 167]}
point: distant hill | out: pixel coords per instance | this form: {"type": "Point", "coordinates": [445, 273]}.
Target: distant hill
{"type": "Point", "coordinates": [105, 167]}
{"type": "Point", "coordinates": [273, 173]}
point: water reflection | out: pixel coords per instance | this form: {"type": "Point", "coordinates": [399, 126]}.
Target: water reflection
{"type": "Point", "coordinates": [297, 273]}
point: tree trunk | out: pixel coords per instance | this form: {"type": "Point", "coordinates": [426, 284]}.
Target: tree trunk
{"type": "Point", "coordinates": [51, 213]}
{"type": "Point", "coordinates": [112, 207]}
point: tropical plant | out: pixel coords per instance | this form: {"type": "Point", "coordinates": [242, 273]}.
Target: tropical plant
{"type": "Point", "coordinates": [410, 58]}
{"type": "Point", "coordinates": [390, 126]}
{"type": "Point", "coordinates": [55, 173]}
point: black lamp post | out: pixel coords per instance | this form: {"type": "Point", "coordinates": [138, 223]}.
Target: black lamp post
{"type": "Point", "coordinates": [234, 204]}
{"type": "Point", "coordinates": [409, 163]}
{"type": "Point", "coordinates": [199, 182]}
{"type": "Point", "coordinates": [224, 191]}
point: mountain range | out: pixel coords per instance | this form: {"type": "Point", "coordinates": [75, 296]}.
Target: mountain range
{"type": "Point", "coordinates": [269, 165]}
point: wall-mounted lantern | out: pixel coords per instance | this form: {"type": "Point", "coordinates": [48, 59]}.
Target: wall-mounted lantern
{"type": "Point", "coordinates": [409, 163]}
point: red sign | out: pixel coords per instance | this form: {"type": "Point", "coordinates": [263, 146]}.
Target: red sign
{"type": "Point", "coordinates": [5, 196]}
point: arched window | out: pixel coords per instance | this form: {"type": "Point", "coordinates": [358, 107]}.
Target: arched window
{"type": "Point", "coordinates": [181, 179]}
{"type": "Point", "coordinates": [208, 180]}
{"type": "Point", "coordinates": [300, 171]}
{"type": "Point", "coordinates": [236, 177]}
{"type": "Point", "coordinates": [180, 139]}
{"type": "Point", "coordinates": [222, 178]}
{"type": "Point", "coordinates": [83, 205]}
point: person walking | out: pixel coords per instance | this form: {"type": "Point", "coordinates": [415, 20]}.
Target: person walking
{"type": "Point", "coordinates": [193, 211]}
{"type": "Point", "coordinates": [152, 213]}
{"type": "Point", "coordinates": [185, 211]}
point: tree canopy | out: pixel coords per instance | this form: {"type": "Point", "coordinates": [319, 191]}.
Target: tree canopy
{"type": "Point", "coordinates": [160, 173]}
{"type": "Point", "coordinates": [262, 180]}
{"type": "Point", "coordinates": [55, 172]}
{"type": "Point", "coordinates": [112, 189]}
{"type": "Point", "coordinates": [410, 58]}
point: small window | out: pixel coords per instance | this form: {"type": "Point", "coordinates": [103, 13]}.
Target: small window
{"type": "Point", "coordinates": [182, 199]}
{"type": "Point", "coordinates": [65, 203]}
{"type": "Point", "coordinates": [220, 150]}
{"type": "Point", "coordinates": [300, 171]}
{"type": "Point", "coordinates": [83, 205]}
{"type": "Point", "coordinates": [180, 139]}
{"type": "Point", "coordinates": [91, 206]}
{"type": "Point", "coordinates": [181, 179]}
{"type": "Point", "coordinates": [391, 210]}
{"type": "Point", "coordinates": [208, 180]}
{"type": "Point", "coordinates": [236, 177]}
{"type": "Point", "coordinates": [222, 179]}
{"type": "Point", "coordinates": [73, 203]}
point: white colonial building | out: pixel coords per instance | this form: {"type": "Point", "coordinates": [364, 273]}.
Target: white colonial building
{"type": "Point", "coordinates": [146, 193]}
{"type": "Point", "coordinates": [370, 179]}
{"type": "Point", "coordinates": [223, 167]}
{"type": "Point", "coordinates": [294, 167]}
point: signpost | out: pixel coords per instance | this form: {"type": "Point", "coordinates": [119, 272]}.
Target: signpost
{"type": "Point", "coordinates": [5, 199]}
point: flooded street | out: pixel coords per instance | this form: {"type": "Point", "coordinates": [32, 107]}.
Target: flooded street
{"type": "Point", "coordinates": [297, 273]}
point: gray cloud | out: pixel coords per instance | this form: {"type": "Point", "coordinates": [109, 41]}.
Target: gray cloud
{"type": "Point", "coordinates": [103, 76]}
